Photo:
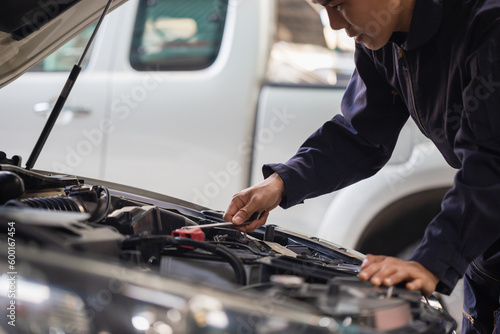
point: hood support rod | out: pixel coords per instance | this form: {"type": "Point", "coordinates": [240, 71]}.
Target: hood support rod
{"type": "Point", "coordinates": [61, 100]}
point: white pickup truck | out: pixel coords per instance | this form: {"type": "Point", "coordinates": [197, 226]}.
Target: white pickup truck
{"type": "Point", "coordinates": [190, 98]}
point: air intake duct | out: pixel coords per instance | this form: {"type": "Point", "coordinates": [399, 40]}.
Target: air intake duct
{"type": "Point", "coordinates": [95, 201]}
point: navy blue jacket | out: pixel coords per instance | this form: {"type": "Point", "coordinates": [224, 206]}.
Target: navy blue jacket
{"type": "Point", "coordinates": [445, 74]}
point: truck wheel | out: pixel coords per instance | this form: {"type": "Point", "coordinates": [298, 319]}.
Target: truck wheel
{"type": "Point", "coordinates": [401, 224]}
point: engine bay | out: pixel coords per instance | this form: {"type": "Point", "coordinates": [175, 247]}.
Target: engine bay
{"type": "Point", "coordinates": [66, 214]}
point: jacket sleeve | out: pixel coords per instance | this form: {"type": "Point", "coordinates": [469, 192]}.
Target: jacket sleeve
{"type": "Point", "coordinates": [349, 147]}
{"type": "Point", "coordinates": [468, 224]}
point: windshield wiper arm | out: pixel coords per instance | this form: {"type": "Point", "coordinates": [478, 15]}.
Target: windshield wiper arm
{"type": "Point", "coordinates": [61, 100]}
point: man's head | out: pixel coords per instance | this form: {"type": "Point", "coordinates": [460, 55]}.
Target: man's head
{"type": "Point", "coordinates": [370, 22]}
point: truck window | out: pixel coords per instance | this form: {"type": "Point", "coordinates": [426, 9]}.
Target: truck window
{"type": "Point", "coordinates": [63, 59]}
{"type": "Point", "coordinates": [177, 35]}
{"type": "Point", "coordinates": [306, 51]}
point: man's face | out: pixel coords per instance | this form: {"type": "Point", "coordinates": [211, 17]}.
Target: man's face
{"type": "Point", "coordinates": [370, 22]}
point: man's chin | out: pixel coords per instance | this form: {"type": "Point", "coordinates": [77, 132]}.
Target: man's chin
{"type": "Point", "coordinates": [369, 43]}
{"type": "Point", "coordinates": [371, 47]}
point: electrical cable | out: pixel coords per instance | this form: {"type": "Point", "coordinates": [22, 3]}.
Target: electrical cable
{"type": "Point", "coordinates": [221, 251]}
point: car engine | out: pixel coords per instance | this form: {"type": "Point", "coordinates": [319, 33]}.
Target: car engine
{"type": "Point", "coordinates": [70, 234]}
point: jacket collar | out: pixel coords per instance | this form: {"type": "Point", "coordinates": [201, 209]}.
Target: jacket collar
{"type": "Point", "coordinates": [426, 20]}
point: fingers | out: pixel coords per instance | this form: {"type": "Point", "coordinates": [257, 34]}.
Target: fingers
{"type": "Point", "coordinates": [232, 209]}
{"type": "Point", "coordinates": [382, 270]}
{"type": "Point", "coordinates": [244, 214]}
{"type": "Point", "coordinates": [243, 206]}
{"type": "Point", "coordinates": [377, 268]}
{"type": "Point", "coordinates": [254, 224]}
{"type": "Point", "coordinates": [240, 209]}
{"type": "Point", "coordinates": [370, 259]}
{"type": "Point", "coordinates": [262, 197]}
{"type": "Point", "coordinates": [418, 284]}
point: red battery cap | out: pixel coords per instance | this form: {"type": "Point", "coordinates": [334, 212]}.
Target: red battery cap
{"type": "Point", "coordinates": [192, 233]}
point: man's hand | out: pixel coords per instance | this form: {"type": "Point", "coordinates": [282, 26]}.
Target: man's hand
{"type": "Point", "coordinates": [389, 271]}
{"type": "Point", "coordinates": [262, 197]}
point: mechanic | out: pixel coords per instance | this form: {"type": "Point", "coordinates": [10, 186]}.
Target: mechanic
{"type": "Point", "coordinates": [437, 61]}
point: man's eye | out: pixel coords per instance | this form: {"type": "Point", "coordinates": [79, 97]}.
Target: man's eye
{"type": "Point", "coordinates": [329, 3]}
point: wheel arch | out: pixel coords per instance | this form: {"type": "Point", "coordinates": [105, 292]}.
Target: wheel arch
{"type": "Point", "coordinates": [401, 223]}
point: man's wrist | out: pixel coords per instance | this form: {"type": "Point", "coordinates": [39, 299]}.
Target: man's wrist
{"type": "Point", "coordinates": [277, 181]}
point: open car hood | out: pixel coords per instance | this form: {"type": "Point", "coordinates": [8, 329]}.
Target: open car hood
{"type": "Point", "coordinates": [30, 30]}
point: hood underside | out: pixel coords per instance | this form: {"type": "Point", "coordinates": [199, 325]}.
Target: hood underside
{"type": "Point", "coordinates": [30, 30]}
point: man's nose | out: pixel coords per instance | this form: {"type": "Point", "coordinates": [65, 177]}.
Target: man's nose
{"type": "Point", "coordinates": [337, 21]}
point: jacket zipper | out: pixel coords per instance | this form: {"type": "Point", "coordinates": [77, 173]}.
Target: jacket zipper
{"type": "Point", "coordinates": [468, 316]}
{"type": "Point", "coordinates": [402, 54]}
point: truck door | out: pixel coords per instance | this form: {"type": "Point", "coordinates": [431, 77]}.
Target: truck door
{"type": "Point", "coordinates": [75, 144]}
{"type": "Point", "coordinates": [184, 91]}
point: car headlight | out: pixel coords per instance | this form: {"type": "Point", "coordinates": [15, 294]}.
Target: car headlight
{"type": "Point", "coordinates": [34, 307]}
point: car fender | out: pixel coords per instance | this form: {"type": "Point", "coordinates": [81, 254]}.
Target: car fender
{"type": "Point", "coordinates": [353, 208]}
